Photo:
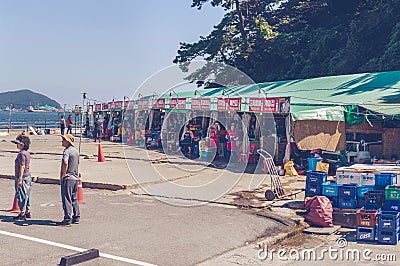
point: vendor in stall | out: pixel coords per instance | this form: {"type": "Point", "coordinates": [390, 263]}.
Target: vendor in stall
{"type": "Point", "coordinates": [214, 140]}
{"type": "Point", "coordinates": [232, 136]}
{"type": "Point", "coordinates": [186, 140]}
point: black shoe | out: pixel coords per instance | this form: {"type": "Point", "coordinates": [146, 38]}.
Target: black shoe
{"type": "Point", "coordinates": [20, 217]}
{"type": "Point", "coordinates": [28, 215]}
{"type": "Point", "coordinates": [63, 223]}
{"type": "Point", "coordinates": [75, 221]}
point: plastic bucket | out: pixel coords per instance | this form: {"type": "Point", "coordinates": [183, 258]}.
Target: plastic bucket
{"type": "Point", "coordinates": [312, 163]}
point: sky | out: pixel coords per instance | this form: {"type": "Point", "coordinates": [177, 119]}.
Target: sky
{"type": "Point", "coordinates": [106, 48]}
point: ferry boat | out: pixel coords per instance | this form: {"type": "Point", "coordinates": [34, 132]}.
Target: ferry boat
{"type": "Point", "coordinates": [41, 109]}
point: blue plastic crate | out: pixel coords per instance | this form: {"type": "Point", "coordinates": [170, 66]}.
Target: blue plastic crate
{"type": "Point", "coordinates": [347, 203]}
{"type": "Point", "coordinates": [334, 201]}
{"type": "Point", "coordinates": [374, 200]}
{"type": "Point", "coordinates": [389, 221]}
{"type": "Point", "coordinates": [360, 202]}
{"type": "Point", "coordinates": [385, 179]}
{"type": "Point", "coordinates": [392, 205]}
{"type": "Point", "coordinates": [361, 189]}
{"type": "Point", "coordinates": [388, 238]}
{"type": "Point", "coordinates": [379, 188]}
{"type": "Point", "coordinates": [312, 163]}
{"type": "Point", "coordinates": [313, 190]}
{"type": "Point", "coordinates": [316, 177]}
{"type": "Point", "coordinates": [348, 191]}
{"type": "Point", "coordinates": [365, 234]}
{"type": "Point", "coordinates": [330, 189]}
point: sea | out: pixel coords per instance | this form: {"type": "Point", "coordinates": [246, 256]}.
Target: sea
{"type": "Point", "coordinates": [22, 119]}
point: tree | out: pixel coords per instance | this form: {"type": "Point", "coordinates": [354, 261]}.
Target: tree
{"type": "Point", "coordinates": [290, 39]}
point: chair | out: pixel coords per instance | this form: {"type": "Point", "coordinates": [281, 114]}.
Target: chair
{"type": "Point", "coordinates": [252, 155]}
{"type": "Point", "coordinates": [243, 157]}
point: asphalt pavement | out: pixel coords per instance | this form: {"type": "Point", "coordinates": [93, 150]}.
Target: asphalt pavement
{"type": "Point", "coordinates": [126, 226]}
{"type": "Point", "coordinates": [145, 207]}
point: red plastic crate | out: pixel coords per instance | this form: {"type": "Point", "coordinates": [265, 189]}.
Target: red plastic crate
{"type": "Point", "coordinates": [367, 218]}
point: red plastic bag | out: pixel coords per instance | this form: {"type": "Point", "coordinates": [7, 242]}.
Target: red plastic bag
{"type": "Point", "coordinates": [320, 211]}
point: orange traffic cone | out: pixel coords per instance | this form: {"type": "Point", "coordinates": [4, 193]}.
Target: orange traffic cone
{"type": "Point", "coordinates": [15, 207]}
{"type": "Point", "coordinates": [100, 155]}
{"type": "Point", "coordinates": [80, 191]}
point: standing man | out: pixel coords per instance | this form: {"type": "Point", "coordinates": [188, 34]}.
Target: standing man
{"type": "Point", "coordinates": [69, 181]}
{"type": "Point", "coordinates": [62, 125]}
{"type": "Point", "coordinates": [97, 130]}
{"type": "Point", "coordinates": [69, 124]}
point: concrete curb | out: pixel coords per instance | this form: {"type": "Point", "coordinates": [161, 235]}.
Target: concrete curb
{"type": "Point", "coordinates": [85, 184]}
{"type": "Point", "coordinates": [290, 232]}
{"type": "Point", "coordinates": [247, 252]}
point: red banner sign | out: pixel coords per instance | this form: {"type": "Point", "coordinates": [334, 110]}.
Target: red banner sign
{"type": "Point", "coordinates": [196, 102]}
{"type": "Point", "coordinates": [224, 104]}
{"type": "Point", "coordinates": [118, 105]}
{"type": "Point", "coordinates": [158, 103]}
{"type": "Point", "coordinates": [256, 105]}
{"type": "Point", "coordinates": [179, 103]}
{"type": "Point", "coordinates": [143, 104]}
{"type": "Point", "coordinates": [205, 104]}
{"type": "Point", "coordinates": [234, 104]}
{"type": "Point", "coordinates": [221, 104]}
{"type": "Point", "coordinates": [129, 104]}
{"type": "Point", "coordinates": [269, 105]}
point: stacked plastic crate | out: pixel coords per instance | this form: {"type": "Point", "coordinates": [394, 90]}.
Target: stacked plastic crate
{"type": "Point", "coordinates": [361, 190]}
{"type": "Point", "coordinates": [392, 198]}
{"type": "Point", "coordinates": [331, 191]}
{"type": "Point", "coordinates": [346, 189]}
{"type": "Point", "coordinates": [375, 199]}
{"type": "Point", "coordinates": [389, 219]}
{"type": "Point", "coordinates": [314, 181]}
{"type": "Point", "coordinates": [388, 227]}
{"type": "Point", "coordinates": [367, 183]}
{"type": "Point", "coordinates": [382, 180]}
{"type": "Point", "coordinates": [348, 196]}
{"type": "Point", "coordinates": [367, 221]}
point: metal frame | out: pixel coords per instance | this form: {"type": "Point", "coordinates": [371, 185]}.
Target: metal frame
{"type": "Point", "coordinates": [276, 192]}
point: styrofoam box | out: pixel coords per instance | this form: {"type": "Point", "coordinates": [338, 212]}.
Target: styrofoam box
{"type": "Point", "coordinates": [345, 177]}
{"type": "Point", "coordinates": [367, 178]}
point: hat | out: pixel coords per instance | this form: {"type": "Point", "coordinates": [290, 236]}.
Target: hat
{"type": "Point", "coordinates": [16, 141]}
{"type": "Point", "coordinates": [69, 138]}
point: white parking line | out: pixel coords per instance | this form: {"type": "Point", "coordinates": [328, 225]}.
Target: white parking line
{"type": "Point", "coordinates": [51, 243]}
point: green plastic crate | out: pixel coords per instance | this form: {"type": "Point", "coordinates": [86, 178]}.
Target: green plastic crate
{"type": "Point", "coordinates": [392, 193]}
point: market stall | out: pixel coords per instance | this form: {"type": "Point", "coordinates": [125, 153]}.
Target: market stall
{"type": "Point", "coordinates": [128, 135]}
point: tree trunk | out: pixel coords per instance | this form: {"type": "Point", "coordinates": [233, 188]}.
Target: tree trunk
{"type": "Point", "coordinates": [241, 25]}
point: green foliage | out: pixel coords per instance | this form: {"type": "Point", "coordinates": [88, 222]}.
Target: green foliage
{"type": "Point", "coordinates": [24, 98]}
{"type": "Point", "coordinates": [300, 39]}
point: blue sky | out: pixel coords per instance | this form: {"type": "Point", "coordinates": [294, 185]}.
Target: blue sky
{"type": "Point", "coordinates": [104, 47]}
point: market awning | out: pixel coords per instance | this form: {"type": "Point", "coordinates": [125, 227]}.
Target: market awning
{"type": "Point", "coordinates": [333, 113]}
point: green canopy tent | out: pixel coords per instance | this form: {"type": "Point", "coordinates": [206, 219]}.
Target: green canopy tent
{"type": "Point", "coordinates": [326, 102]}
{"type": "Point", "coordinates": [46, 108]}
